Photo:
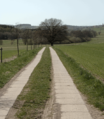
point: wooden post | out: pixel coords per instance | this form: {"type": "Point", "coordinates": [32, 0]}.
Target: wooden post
{"type": "Point", "coordinates": [1, 54]}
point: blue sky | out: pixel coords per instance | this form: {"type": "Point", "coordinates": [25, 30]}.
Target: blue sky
{"type": "Point", "coordinates": [71, 12]}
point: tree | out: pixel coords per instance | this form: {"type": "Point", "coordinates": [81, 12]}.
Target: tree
{"type": "Point", "coordinates": [17, 31]}
{"type": "Point", "coordinates": [84, 35]}
{"type": "Point", "coordinates": [1, 42]}
{"type": "Point", "coordinates": [26, 36]}
{"type": "Point", "coordinates": [53, 30]}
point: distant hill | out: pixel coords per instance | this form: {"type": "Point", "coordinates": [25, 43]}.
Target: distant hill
{"type": "Point", "coordinates": [26, 26]}
{"type": "Point", "coordinates": [70, 27]}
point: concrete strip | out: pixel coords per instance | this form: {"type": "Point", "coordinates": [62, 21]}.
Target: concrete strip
{"type": "Point", "coordinates": [9, 96]}
{"type": "Point", "coordinates": [68, 103]}
{"type": "Point", "coordinates": [76, 115]}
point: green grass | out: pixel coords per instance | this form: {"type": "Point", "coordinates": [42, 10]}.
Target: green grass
{"type": "Point", "coordinates": [89, 56]}
{"type": "Point", "coordinates": [36, 92]}
{"type": "Point", "coordinates": [9, 69]}
{"type": "Point", "coordinates": [99, 38]}
{"type": "Point", "coordinates": [92, 88]}
{"type": "Point", "coordinates": [10, 50]}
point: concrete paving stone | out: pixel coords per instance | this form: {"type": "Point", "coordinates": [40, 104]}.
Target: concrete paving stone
{"type": "Point", "coordinates": [60, 79]}
{"type": "Point", "coordinates": [65, 88]}
{"type": "Point", "coordinates": [63, 80]}
{"type": "Point", "coordinates": [17, 86]}
{"type": "Point", "coordinates": [12, 93]}
{"type": "Point", "coordinates": [64, 84]}
{"type": "Point", "coordinates": [6, 104]}
{"type": "Point", "coordinates": [24, 75]}
{"type": "Point", "coordinates": [57, 73]}
{"type": "Point", "coordinates": [73, 108]}
{"type": "Point", "coordinates": [2, 117]}
{"type": "Point", "coordinates": [76, 115]}
{"type": "Point", "coordinates": [71, 96]}
{"type": "Point", "coordinates": [9, 94]}
{"type": "Point", "coordinates": [25, 72]}
{"type": "Point", "coordinates": [23, 78]}
{"type": "Point", "coordinates": [3, 112]}
{"type": "Point", "coordinates": [70, 101]}
{"type": "Point", "coordinates": [14, 89]}
{"type": "Point", "coordinates": [20, 81]}
{"type": "Point", "coordinates": [68, 82]}
{"type": "Point", "coordinates": [60, 72]}
{"type": "Point", "coordinates": [63, 91]}
{"type": "Point", "coordinates": [61, 75]}
{"type": "Point", "coordinates": [7, 97]}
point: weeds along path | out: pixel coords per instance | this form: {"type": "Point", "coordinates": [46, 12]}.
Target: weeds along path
{"type": "Point", "coordinates": [10, 94]}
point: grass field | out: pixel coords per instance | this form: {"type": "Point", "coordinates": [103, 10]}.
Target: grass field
{"type": "Point", "coordinates": [10, 50]}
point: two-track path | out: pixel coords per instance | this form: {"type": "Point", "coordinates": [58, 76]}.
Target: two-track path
{"type": "Point", "coordinates": [10, 94]}
{"type": "Point", "coordinates": [66, 100]}
{"type": "Point", "coordinates": [69, 104]}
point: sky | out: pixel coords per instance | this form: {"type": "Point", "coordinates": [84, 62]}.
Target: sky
{"type": "Point", "coordinates": [71, 12]}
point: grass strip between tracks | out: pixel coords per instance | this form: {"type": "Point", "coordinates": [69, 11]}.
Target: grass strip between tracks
{"type": "Point", "coordinates": [91, 87]}
{"type": "Point", "coordinates": [36, 92]}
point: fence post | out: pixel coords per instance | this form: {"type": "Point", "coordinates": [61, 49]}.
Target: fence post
{"type": "Point", "coordinates": [1, 54]}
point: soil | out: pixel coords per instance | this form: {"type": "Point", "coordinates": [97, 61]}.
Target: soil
{"type": "Point", "coordinates": [9, 59]}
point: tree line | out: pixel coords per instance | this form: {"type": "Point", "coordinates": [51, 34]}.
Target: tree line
{"type": "Point", "coordinates": [49, 31]}
{"type": "Point", "coordinates": [81, 36]}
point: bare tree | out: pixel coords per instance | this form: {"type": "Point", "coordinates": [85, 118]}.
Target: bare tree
{"type": "Point", "coordinates": [53, 30]}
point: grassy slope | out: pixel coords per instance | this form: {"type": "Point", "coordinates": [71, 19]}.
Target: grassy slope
{"type": "Point", "coordinates": [37, 88]}
{"type": "Point", "coordinates": [9, 69]}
